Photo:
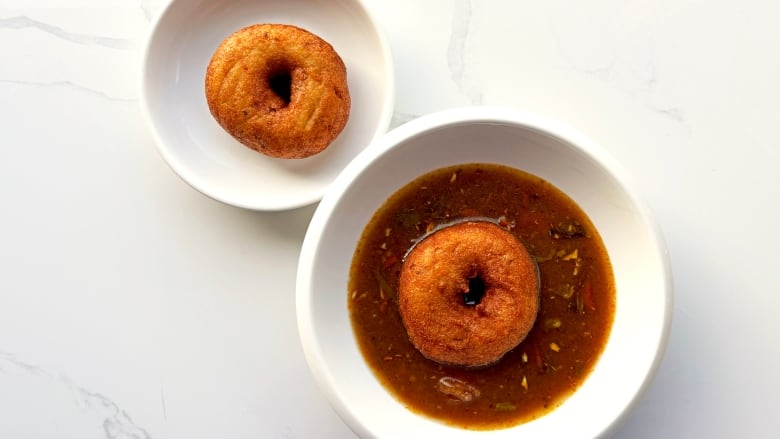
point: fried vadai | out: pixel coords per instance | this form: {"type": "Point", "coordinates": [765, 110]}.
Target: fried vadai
{"type": "Point", "coordinates": [278, 89]}
{"type": "Point", "coordinates": [468, 293]}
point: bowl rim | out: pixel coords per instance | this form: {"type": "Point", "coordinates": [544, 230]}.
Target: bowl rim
{"type": "Point", "coordinates": [183, 171]}
{"type": "Point", "coordinates": [442, 119]}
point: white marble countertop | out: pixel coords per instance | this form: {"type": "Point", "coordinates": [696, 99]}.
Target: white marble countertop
{"type": "Point", "coordinates": [132, 306]}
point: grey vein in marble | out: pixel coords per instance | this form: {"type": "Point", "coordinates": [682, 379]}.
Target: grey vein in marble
{"type": "Point", "coordinates": [456, 51]}
{"type": "Point", "coordinates": [23, 22]}
{"type": "Point", "coordinates": [645, 88]}
{"type": "Point", "coordinates": [401, 118]}
{"type": "Point", "coordinates": [146, 8]}
{"type": "Point", "coordinates": [651, 84]}
{"type": "Point", "coordinates": [162, 402]}
{"type": "Point", "coordinates": [116, 423]}
{"type": "Point", "coordinates": [642, 84]}
{"type": "Point", "coordinates": [68, 84]}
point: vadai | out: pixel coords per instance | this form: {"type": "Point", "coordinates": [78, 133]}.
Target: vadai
{"type": "Point", "coordinates": [278, 89]}
{"type": "Point", "coordinates": [468, 293]}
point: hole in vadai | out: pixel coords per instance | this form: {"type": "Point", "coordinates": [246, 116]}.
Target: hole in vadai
{"type": "Point", "coordinates": [280, 82]}
{"type": "Point", "coordinates": [476, 291]}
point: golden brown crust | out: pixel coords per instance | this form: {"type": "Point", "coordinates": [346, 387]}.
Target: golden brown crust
{"type": "Point", "coordinates": [434, 277]}
{"type": "Point", "coordinates": [241, 99]}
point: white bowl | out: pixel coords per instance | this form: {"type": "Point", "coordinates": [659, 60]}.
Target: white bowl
{"type": "Point", "coordinates": [543, 147]}
{"type": "Point", "coordinates": [179, 48]}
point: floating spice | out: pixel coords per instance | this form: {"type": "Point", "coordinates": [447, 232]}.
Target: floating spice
{"type": "Point", "coordinates": [505, 406]}
{"type": "Point", "coordinates": [385, 290]}
{"type": "Point", "coordinates": [564, 290]}
{"type": "Point", "coordinates": [552, 323]}
{"type": "Point", "coordinates": [457, 389]}
{"type": "Point", "coordinates": [571, 230]}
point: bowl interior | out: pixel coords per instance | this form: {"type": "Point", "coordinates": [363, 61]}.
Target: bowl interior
{"type": "Point", "coordinates": [178, 51]}
{"type": "Point", "coordinates": [536, 145]}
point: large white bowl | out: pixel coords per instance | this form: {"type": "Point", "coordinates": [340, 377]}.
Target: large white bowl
{"type": "Point", "coordinates": [534, 144]}
{"type": "Point", "coordinates": [173, 99]}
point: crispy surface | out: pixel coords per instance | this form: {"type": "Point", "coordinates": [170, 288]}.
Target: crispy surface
{"type": "Point", "coordinates": [241, 99]}
{"type": "Point", "coordinates": [436, 273]}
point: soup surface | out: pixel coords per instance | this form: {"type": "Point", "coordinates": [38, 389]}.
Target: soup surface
{"type": "Point", "coordinates": [577, 297]}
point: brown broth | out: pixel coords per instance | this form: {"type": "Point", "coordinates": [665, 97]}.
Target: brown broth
{"type": "Point", "coordinates": [577, 297]}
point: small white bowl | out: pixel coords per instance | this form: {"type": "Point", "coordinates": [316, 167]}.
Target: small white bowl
{"type": "Point", "coordinates": [179, 48]}
{"type": "Point", "coordinates": [535, 144]}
